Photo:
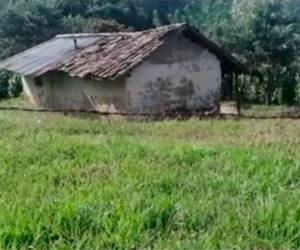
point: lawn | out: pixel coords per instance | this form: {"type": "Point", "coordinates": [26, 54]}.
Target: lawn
{"type": "Point", "coordinates": [71, 183]}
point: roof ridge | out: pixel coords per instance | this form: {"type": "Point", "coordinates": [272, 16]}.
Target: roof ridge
{"type": "Point", "coordinates": [82, 35]}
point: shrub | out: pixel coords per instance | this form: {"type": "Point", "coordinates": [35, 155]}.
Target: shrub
{"type": "Point", "coordinates": [15, 86]}
{"type": "Point", "coordinates": [10, 85]}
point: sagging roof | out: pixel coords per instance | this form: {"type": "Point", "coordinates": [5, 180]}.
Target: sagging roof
{"type": "Point", "coordinates": [106, 55]}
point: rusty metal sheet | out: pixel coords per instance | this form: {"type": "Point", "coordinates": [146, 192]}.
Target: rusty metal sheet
{"type": "Point", "coordinates": [45, 56]}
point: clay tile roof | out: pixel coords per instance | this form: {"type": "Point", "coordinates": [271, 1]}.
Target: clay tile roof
{"type": "Point", "coordinates": [104, 55]}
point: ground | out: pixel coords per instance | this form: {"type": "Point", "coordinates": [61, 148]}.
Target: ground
{"type": "Point", "coordinates": [71, 183]}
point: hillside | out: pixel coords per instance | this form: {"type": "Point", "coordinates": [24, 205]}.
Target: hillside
{"type": "Point", "coordinates": [70, 183]}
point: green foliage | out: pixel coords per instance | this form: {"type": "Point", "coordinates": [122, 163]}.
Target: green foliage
{"type": "Point", "coordinates": [79, 24]}
{"type": "Point", "coordinates": [10, 85]}
{"type": "Point", "coordinates": [15, 86]}
{"type": "Point", "coordinates": [71, 183]}
{"type": "Point", "coordinates": [273, 42]}
{"type": "Point", "coordinates": [4, 84]}
{"type": "Point", "coordinates": [27, 24]}
{"type": "Point", "coordinates": [297, 91]}
{"type": "Point", "coordinates": [109, 11]}
{"type": "Point", "coordinates": [209, 16]}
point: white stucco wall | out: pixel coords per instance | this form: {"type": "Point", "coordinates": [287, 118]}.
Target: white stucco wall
{"type": "Point", "coordinates": [59, 91]}
{"type": "Point", "coordinates": [179, 76]}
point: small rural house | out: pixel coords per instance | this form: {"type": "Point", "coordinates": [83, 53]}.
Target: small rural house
{"type": "Point", "coordinates": [170, 68]}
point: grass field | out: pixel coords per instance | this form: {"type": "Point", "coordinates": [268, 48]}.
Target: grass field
{"type": "Point", "coordinates": [70, 183]}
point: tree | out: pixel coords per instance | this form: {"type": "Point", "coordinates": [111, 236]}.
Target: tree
{"type": "Point", "coordinates": [26, 25]}
{"type": "Point", "coordinates": [269, 37]}
{"type": "Point", "coordinates": [79, 24]}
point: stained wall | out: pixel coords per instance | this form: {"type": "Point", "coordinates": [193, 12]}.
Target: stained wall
{"type": "Point", "coordinates": [179, 76]}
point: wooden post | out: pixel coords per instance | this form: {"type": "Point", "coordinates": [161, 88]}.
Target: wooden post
{"type": "Point", "coordinates": [75, 43]}
{"type": "Point", "coordinates": [231, 87]}
{"type": "Point", "coordinates": [237, 93]}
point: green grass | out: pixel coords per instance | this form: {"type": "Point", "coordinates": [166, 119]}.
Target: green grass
{"type": "Point", "coordinates": [69, 183]}
{"type": "Point", "coordinates": [276, 110]}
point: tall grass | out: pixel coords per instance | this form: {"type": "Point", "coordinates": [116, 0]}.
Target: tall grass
{"type": "Point", "coordinates": [68, 183]}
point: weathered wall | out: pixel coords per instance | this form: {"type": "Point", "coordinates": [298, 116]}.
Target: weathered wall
{"type": "Point", "coordinates": [179, 76]}
{"type": "Point", "coordinates": [59, 91]}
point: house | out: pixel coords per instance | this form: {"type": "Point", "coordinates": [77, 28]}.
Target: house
{"type": "Point", "coordinates": [170, 68]}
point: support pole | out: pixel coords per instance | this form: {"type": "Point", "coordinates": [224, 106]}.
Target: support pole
{"type": "Point", "coordinates": [237, 94]}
